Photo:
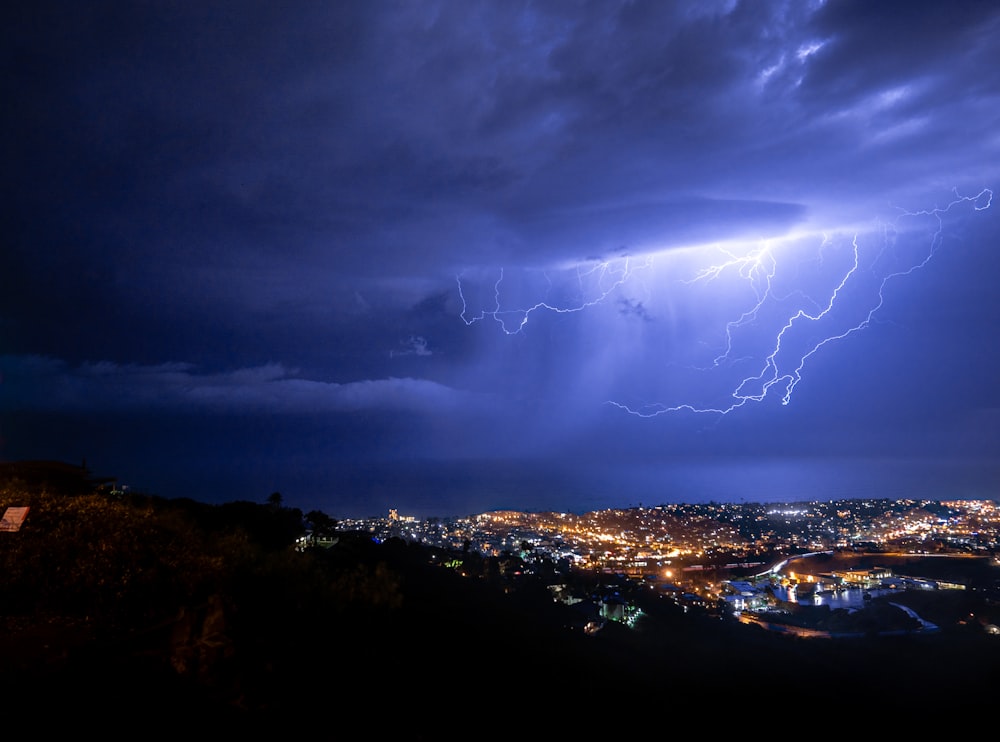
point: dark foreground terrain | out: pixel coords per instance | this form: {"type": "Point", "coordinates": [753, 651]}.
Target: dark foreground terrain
{"type": "Point", "coordinates": [139, 615]}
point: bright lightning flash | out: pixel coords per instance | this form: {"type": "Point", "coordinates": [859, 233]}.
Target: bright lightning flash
{"type": "Point", "coordinates": [781, 292]}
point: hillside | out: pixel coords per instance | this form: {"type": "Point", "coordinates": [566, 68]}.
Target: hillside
{"type": "Point", "coordinates": [117, 607]}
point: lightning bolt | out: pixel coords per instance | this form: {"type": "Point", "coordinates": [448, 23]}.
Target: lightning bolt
{"type": "Point", "coordinates": [594, 284]}
{"type": "Point", "coordinates": [758, 269]}
{"type": "Point", "coordinates": [780, 316]}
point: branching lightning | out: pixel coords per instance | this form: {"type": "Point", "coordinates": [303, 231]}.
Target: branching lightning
{"type": "Point", "coordinates": [756, 387]}
{"type": "Point", "coordinates": [594, 285]}
{"type": "Point", "coordinates": [759, 268]}
{"type": "Point", "coordinates": [778, 325]}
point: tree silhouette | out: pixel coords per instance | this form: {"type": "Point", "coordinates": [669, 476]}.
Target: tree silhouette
{"type": "Point", "coordinates": [320, 524]}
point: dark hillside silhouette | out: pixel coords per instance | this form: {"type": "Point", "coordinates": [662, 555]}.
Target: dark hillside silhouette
{"type": "Point", "coordinates": [185, 614]}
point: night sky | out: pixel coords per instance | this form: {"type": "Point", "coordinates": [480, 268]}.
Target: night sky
{"type": "Point", "coordinates": [457, 256]}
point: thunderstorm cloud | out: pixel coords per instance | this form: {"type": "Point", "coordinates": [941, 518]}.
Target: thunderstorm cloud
{"type": "Point", "coordinates": [444, 256]}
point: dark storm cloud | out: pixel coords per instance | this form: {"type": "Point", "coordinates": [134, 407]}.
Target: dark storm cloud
{"type": "Point", "coordinates": [48, 385]}
{"type": "Point", "coordinates": [344, 209]}
{"type": "Point", "coordinates": [942, 44]}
